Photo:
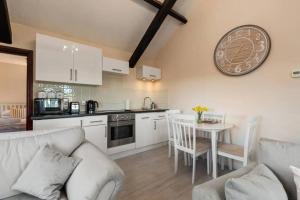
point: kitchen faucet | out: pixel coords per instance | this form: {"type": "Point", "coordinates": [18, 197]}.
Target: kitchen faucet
{"type": "Point", "coordinates": [144, 105]}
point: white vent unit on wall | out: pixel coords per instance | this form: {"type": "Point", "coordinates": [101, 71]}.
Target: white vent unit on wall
{"type": "Point", "coordinates": [148, 73]}
{"type": "Point", "coordinates": [115, 66]}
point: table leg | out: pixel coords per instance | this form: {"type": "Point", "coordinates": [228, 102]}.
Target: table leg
{"type": "Point", "coordinates": [214, 152]}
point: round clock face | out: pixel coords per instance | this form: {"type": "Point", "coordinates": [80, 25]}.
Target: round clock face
{"type": "Point", "coordinates": [242, 50]}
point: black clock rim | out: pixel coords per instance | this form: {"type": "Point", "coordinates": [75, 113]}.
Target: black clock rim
{"type": "Point", "coordinates": [260, 63]}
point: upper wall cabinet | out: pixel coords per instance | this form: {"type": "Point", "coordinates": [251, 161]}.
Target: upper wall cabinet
{"type": "Point", "coordinates": [148, 73]}
{"type": "Point", "coordinates": [64, 61]}
{"type": "Point", "coordinates": [115, 66]}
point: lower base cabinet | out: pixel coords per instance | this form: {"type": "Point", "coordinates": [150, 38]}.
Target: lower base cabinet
{"type": "Point", "coordinates": [151, 128]}
{"type": "Point", "coordinates": [95, 127]}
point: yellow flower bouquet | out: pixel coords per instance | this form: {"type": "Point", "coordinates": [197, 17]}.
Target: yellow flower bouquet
{"type": "Point", "coordinates": [199, 110]}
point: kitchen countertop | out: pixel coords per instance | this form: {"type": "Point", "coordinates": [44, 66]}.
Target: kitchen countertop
{"type": "Point", "coordinates": [101, 112]}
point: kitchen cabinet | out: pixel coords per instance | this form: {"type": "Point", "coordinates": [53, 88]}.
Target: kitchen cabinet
{"type": "Point", "coordinates": [56, 123]}
{"type": "Point", "coordinates": [160, 128]}
{"type": "Point", "coordinates": [151, 128]}
{"type": "Point", "coordinates": [115, 66]}
{"type": "Point", "coordinates": [64, 61]}
{"type": "Point", "coordinates": [148, 73]}
{"type": "Point", "coordinates": [96, 131]}
{"type": "Point", "coordinates": [95, 127]}
{"type": "Point", "coordinates": [144, 127]}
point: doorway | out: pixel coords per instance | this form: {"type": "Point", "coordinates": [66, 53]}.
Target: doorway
{"type": "Point", "coordinates": [16, 86]}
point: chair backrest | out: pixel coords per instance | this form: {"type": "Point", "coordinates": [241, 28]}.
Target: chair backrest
{"type": "Point", "coordinates": [214, 116]}
{"type": "Point", "coordinates": [184, 127]}
{"type": "Point", "coordinates": [169, 115]}
{"type": "Point", "coordinates": [250, 138]}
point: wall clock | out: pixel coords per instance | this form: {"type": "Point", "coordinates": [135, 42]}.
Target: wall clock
{"type": "Point", "coordinates": [242, 50]}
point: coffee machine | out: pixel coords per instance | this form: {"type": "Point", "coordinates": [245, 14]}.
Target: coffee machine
{"type": "Point", "coordinates": [91, 106]}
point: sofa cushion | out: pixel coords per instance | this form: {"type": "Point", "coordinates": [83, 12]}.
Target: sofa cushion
{"type": "Point", "coordinates": [51, 169]}
{"type": "Point", "coordinates": [28, 197]}
{"type": "Point", "coordinates": [259, 184]}
{"type": "Point", "coordinates": [296, 172]}
{"type": "Point", "coordinates": [18, 149]}
{"type": "Point", "coordinates": [278, 156]}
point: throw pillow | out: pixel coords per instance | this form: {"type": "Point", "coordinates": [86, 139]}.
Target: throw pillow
{"type": "Point", "coordinates": [46, 174]}
{"type": "Point", "coordinates": [259, 184]}
{"type": "Point", "coordinates": [296, 172]}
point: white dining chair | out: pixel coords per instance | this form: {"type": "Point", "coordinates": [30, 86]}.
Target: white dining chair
{"type": "Point", "coordinates": [241, 153]}
{"type": "Point", "coordinates": [169, 115]}
{"type": "Point", "coordinates": [185, 140]}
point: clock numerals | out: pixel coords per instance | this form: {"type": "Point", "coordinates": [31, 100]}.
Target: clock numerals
{"type": "Point", "coordinates": [261, 46]}
{"type": "Point", "coordinates": [242, 50]}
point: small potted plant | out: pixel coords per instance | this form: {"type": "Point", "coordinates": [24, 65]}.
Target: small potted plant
{"type": "Point", "coordinates": [199, 110]}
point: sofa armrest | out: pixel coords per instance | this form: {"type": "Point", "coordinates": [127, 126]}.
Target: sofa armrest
{"type": "Point", "coordinates": [215, 189]}
{"type": "Point", "coordinates": [96, 177]}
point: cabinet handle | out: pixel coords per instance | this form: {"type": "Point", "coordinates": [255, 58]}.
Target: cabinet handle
{"type": "Point", "coordinates": [105, 131]}
{"type": "Point", "coordinates": [99, 121]}
{"type": "Point", "coordinates": [154, 125]}
{"type": "Point", "coordinates": [161, 116]}
{"type": "Point", "coordinates": [145, 117]}
{"type": "Point", "coordinates": [152, 76]}
{"type": "Point", "coordinates": [75, 74]}
{"type": "Point", "coordinates": [81, 124]}
{"type": "Point", "coordinates": [117, 70]}
{"type": "Point", "coordinates": [71, 74]}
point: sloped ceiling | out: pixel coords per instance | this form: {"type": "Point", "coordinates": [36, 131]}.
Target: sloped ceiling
{"type": "Point", "coordinates": [115, 23]}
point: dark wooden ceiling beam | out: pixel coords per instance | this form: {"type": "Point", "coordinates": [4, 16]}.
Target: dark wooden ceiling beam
{"type": "Point", "coordinates": [5, 29]}
{"type": "Point", "coordinates": [151, 31]}
{"type": "Point", "coordinates": [172, 12]}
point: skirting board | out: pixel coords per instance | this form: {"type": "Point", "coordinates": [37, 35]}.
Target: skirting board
{"type": "Point", "coordinates": [135, 151]}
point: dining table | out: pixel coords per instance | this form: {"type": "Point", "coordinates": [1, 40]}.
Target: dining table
{"type": "Point", "coordinates": [214, 130]}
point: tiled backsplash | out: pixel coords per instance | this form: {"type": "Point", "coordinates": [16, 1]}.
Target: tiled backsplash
{"type": "Point", "coordinates": [112, 94]}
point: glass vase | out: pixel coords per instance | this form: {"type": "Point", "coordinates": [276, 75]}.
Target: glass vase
{"type": "Point", "coordinates": [199, 120]}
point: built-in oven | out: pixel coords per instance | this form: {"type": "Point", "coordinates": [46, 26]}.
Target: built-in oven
{"type": "Point", "coordinates": [121, 129]}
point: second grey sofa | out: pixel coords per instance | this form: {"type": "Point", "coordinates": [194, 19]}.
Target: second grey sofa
{"type": "Point", "coordinates": [277, 155]}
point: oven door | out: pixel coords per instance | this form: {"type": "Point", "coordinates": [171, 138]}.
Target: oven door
{"type": "Point", "coordinates": [121, 133]}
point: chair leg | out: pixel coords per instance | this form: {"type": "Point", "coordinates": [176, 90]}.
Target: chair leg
{"type": "Point", "coordinates": [185, 159]}
{"type": "Point", "coordinates": [208, 162]}
{"type": "Point", "coordinates": [230, 164]}
{"type": "Point", "coordinates": [176, 161]}
{"type": "Point", "coordinates": [170, 147]}
{"type": "Point", "coordinates": [222, 163]}
{"type": "Point", "coordinates": [194, 168]}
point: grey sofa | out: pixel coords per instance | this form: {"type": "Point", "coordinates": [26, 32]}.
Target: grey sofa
{"type": "Point", "coordinates": [278, 156]}
{"type": "Point", "coordinates": [95, 178]}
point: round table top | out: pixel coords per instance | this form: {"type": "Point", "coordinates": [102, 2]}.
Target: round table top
{"type": "Point", "coordinates": [214, 127]}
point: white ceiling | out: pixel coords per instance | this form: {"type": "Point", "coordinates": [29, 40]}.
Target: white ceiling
{"type": "Point", "coordinates": [115, 23]}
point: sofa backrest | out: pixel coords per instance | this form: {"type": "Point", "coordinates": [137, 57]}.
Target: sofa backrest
{"type": "Point", "coordinates": [18, 149]}
{"type": "Point", "coordinates": [278, 156]}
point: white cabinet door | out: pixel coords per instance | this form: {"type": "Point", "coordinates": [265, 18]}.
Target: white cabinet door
{"type": "Point", "coordinates": [56, 123]}
{"type": "Point", "coordinates": [87, 65]}
{"type": "Point", "coordinates": [54, 59]}
{"type": "Point", "coordinates": [97, 135]}
{"type": "Point", "coordinates": [144, 127]}
{"type": "Point", "coordinates": [160, 127]}
{"type": "Point", "coordinates": [115, 66]}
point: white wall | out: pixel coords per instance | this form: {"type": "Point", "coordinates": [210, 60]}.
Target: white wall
{"type": "Point", "coordinates": [191, 77]}
{"type": "Point", "coordinates": [12, 83]}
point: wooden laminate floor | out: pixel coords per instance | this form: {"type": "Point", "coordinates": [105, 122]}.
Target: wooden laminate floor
{"type": "Point", "coordinates": [150, 176]}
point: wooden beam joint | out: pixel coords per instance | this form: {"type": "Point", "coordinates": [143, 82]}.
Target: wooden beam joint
{"type": "Point", "coordinates": [5, 33]}
{"type": "Point", "coordinates": [171, 12]}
